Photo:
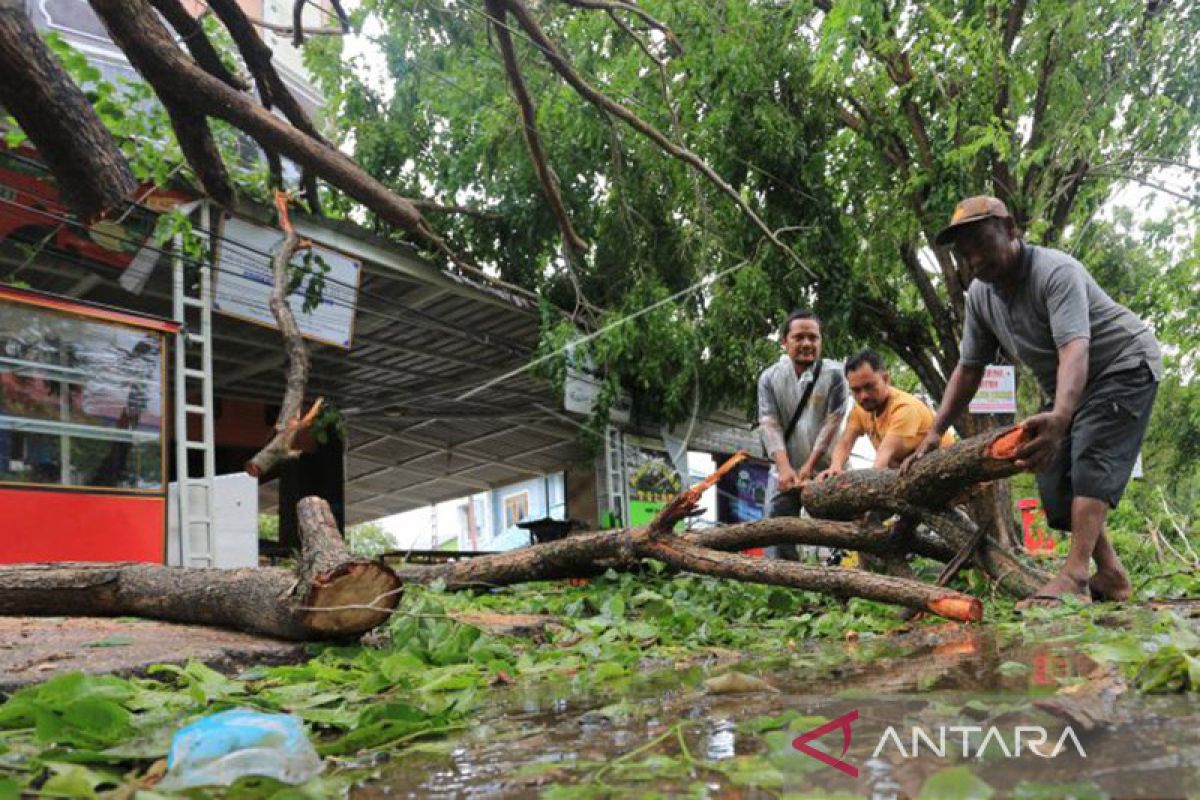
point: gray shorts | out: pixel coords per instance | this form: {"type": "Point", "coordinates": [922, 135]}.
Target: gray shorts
{"type": "Point", "coordinates": [1101, 446]}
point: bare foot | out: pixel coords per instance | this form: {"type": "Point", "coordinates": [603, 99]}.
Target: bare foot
{"type": "Point", "coordinates": [1110, 586]}
{"type": "Point", "coordinates": [1054, 590]}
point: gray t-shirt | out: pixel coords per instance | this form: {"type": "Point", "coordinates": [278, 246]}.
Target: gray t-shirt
{"type": "Point", "coordinates": [1054, 301]}
{"type": "Point", "coordinates": [779, 392]}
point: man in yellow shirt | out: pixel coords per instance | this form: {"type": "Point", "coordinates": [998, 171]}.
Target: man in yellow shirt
{"type": "Point", "coordinates": [895, 421]}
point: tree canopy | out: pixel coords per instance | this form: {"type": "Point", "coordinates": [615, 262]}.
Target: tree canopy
{"type": "Point", "coordinates": [851, 128]}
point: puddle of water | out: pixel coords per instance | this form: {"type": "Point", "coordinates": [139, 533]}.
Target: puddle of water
{"type": "Point", "coordinates": [966, 689]}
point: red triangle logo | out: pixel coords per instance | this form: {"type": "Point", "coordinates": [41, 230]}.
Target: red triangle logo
{"type": "Point", "coordinates": [801, 743]}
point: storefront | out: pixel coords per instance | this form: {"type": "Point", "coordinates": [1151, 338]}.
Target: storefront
{"type": "Point", "coordinates": [82, 442]}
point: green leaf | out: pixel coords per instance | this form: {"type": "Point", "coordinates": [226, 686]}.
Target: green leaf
{"type": "Point", "coordinates": [112, 641]}
{"type": "Point", "coordinates": [1032, 790]}
{"type": "Point", "coordinates": [955, 783]}
{"type": "Point", "coordinates": [74, 780]}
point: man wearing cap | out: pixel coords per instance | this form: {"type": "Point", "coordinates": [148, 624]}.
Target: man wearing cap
{"type": "Point", "coordinates": [1098, 362]}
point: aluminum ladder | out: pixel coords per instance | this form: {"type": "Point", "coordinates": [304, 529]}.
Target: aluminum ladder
{"type": "Point", "coordinates": [614, 473]}
{"type": "Point", "coordinates": [194, 381]}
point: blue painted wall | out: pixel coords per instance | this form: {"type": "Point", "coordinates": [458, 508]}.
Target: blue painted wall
{"type": "Point", "coordinates": [546, 499]}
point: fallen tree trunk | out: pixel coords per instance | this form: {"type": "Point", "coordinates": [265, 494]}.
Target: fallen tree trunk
{"type": "Point", "coordinates": [927, 491]}
{"type": "Point", "coordinates": [331, 595]}
{"type": "Point", "coordinates": [593, 552]}
{"type": "Point", "coordinates": [933, 483]}
{"type": "Point", "coordinates": [625, 548]}
{"type": "Point", "coordinates": [343, 597]}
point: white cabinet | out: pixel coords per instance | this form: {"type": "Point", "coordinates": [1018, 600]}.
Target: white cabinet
{"type": "Point", "coordinates": [235, 522]}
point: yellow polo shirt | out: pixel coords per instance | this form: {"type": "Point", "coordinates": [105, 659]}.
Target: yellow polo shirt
{"type": "Point", "coordinates": [904, 415]}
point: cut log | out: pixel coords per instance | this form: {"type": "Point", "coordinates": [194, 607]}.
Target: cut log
{"type": "Point", "coordinates": [928, 490]}
{"type": "Point", "coordinates": [333, 595]}
{"type": "Point", "coordinates": [932, 483]}
{"type": "Point", "coordinates": [586, 553]}
{"type": "Point", "coordinates": [93, 176]}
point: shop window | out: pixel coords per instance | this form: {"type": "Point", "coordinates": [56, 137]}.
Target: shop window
{"type": "Point", "coordinates": [80, 401]}
{"type": "Point", "coordinates": [516, 509]}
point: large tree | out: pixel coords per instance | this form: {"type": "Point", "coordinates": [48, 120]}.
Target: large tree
{"type": "Point", "coordinates": [850, 128]}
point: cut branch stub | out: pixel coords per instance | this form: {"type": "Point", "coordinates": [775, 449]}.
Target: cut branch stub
{"type": "Point", "coordinates": [341, 592]}
{"type": "Point", "coordinates": [332, 596]}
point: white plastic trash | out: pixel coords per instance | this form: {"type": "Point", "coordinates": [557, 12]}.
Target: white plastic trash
{"type": "Point", "coordinates": [218, 749]}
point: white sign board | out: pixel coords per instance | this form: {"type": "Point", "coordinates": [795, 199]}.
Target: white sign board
{"type": "Point", "coordinates": [581, 392]}
{"type": "Point", "coordinates": [997, 391]}
{"type": "Point", "coordinates": [244, 280]}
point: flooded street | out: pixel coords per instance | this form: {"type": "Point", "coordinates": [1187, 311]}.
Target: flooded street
{"type": "Point", "coordinates": [941, 711]}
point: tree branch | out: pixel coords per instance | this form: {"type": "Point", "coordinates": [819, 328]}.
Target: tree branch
{"type": "Point", "coordinates": [533, 141]}
{"type": "Point", "coordinates": [613, 6]}
{"type": "Point", "coordinates": [197, 42]}
{"type": "Point", "coordinates": [1158, 187]}
{"type": "Point", "coordinates": [942, 320]}
{"type": "Point", "coordinates": [298, 30]}
{"type": "Point", "coordinates": [1012, 25]}
{"type": "Point", "coordinates": [1040, 102]}
{"type": "Point", "coordinates": [291, 418]}
{"type": "Point", "coordinates": [442, 208]}
{"type": "Point", "coordinates": [201, 151]}
{"type": "Point", "coordinates": [1065, 199]}
{"type": "Point", "coordinates": [137, 31]}
{"type": "Point", "coordinates": [563, 67]}
{"type": "Point", "coordinates": [642, 44]}
{"type": "Point", "coordinates": [93, 175]}
{"type": "Point", "coordinates": [257, 55]}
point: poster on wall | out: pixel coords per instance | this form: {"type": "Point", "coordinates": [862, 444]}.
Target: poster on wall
{"type": "Point", "coordinates": [244, 281]}
{"type": "Point", "coordinates": [742, 492]}
{"type": "Point", "coordinates": [651, 480]}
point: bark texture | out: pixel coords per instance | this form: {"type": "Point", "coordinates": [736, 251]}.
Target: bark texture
{"type": "Point", "coordinates": [497, 13]}
{"type": "Point", "coordinates": [291, 418]}
{"type": "Point", "coordinates": [928, 491]}
{"type": "Point", "coordinates": [702, 553]}
{"type": "Point", "coordinates": [933, 483]}
{"type": "Point", "coordinates": [175, 77]}
{"type": "Point", "coordinates": [93, 176]}
{"type": "Point", "coordinates": [332, 596]}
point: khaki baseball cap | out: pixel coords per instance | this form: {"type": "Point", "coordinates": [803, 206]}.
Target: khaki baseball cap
{"type": "Point", "coordinates": [973, 209]}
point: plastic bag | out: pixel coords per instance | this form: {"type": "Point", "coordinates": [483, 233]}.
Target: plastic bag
{"type": "Point", "coordinates": [219, 749]}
